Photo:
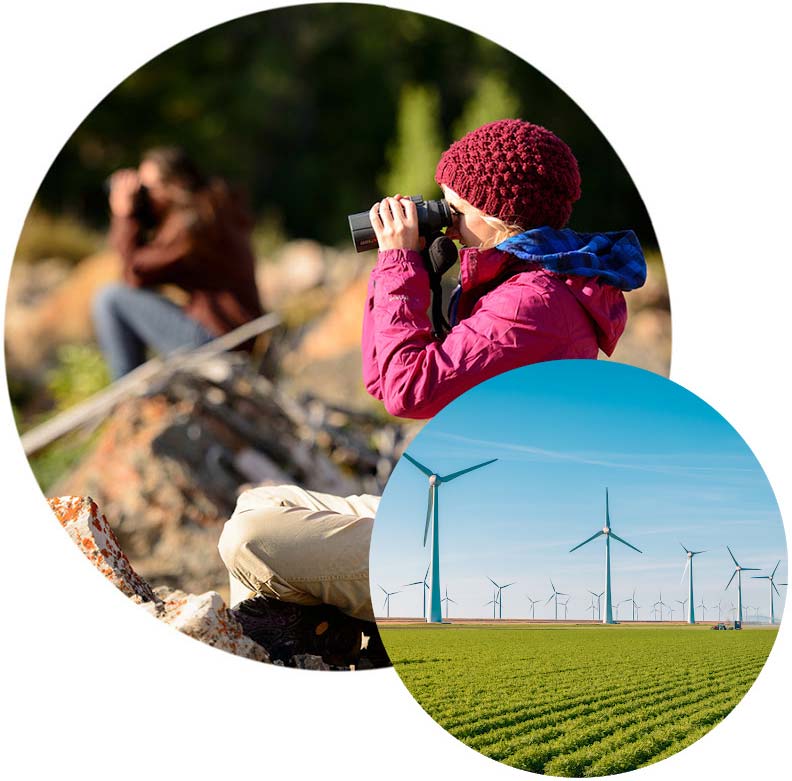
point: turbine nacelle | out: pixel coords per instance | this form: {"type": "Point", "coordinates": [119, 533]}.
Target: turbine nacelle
{"type": "Point", "coordinates": [435, 479]}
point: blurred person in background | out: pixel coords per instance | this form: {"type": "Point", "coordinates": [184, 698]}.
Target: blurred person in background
{"type": "Point", "coordinates": [172, 225]}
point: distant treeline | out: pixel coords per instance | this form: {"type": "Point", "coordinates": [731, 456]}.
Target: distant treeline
{"type": "Point", "coordinates": [318, 110]}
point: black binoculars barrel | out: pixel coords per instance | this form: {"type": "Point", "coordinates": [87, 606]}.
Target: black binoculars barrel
{"type": "Point", "coordinates": [432, 217]}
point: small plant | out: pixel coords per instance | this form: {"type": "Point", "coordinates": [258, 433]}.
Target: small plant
{"type": "Point", "coordinates": [80, 373]}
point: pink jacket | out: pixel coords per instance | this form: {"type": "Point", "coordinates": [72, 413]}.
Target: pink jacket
{"type": "Point", "coordinates": [529, 317]}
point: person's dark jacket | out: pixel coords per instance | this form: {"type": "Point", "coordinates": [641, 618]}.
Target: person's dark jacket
{"type": "Point", "coordinates": [204, 249]}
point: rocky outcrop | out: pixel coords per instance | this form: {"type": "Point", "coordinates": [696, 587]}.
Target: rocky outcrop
{"type": "Point", "coordinates": [168, 466]}
{"type": "Point", "coordinates": [203, 617]}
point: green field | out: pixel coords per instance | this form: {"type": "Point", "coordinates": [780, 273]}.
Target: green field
{"type": "Point", "coordinates": [577, 700]}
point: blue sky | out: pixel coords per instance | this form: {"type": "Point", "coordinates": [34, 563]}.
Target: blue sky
{"type": "Point", "coordinates": [676, 472]}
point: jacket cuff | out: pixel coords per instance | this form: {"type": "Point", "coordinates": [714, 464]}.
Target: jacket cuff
{"type": "Point", "coordinates": [398, 259]}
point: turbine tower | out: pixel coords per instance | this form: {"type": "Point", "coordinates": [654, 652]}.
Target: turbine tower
{"type": "Point", "coordinates": [423, 590]}
{"type": "Point", "coordinates": [634, 604]}
{"type": "Point", "coordinates": [738, 572]}
{"type": "Point", "coordinates": [494, 603]}
{"type": "Point", "coordinates": [386, 605]}
{"type": "Point", "coordinates": [432, 520]}
{"type": "Point", "coordinates": [447, 599]}
{"type": "Point", "coordinates": [556, 595]}
{"type": "Point", "coordinates": [662, 605]}
{"type": "Point", "coordinates": [500, 594]}
{"type": "Point", "coordinates": [689, 570]}
{"type": "Point", "coordinates": [769, 578]}
{"type": "Point", "coordinates": [607, 533]}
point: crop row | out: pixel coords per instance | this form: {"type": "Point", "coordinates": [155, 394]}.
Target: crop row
{"type": "Point", "coordinates": [600, 740]}
{"type": "Point", "coordinates": [569, 691]}
{"type": "Point", "coordinates": [560, 718]}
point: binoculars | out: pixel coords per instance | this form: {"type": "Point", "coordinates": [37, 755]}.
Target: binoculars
{"type": "Point", "coordinates": [433, 216]}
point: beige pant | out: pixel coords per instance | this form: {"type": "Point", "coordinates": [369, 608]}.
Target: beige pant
{"type": "Point", "coordinates": [301, 546]}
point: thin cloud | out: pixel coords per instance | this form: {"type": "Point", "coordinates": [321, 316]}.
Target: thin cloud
{"type": "Point", "coordinates": [604, 459]}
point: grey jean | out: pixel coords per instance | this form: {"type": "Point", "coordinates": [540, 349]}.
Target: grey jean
{"type": "Point", "coordinates": [127, 320]}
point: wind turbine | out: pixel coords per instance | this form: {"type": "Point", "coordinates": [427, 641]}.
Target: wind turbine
{"type": "Point", "coordinates": [689, 569]}
{"type": "Point", "coordinates": [432, 520]}
{"type": "Point", "coordinates": [388, 595]}
{"type": "Point", "coordinates": [683, 602]}
{"type": "Point", "coordinates": [500, 594]}
{"type": "Point", "coordinates": [564, 605]}
{"type": "Point", "coordinates": [533, 602]}
{"type": "Point", "coordinates": [556, 595]}
{"type": "Point", "coordinates": [772, 583]}
{"type": "Point", "coordinates": [607, 533]}
{"type": "Point", "coordinates": [662, 605]}
{"type": "Point", "coordinates": [599, 604]}
{"type": "Point", "coordinates": [447, 599]}
{"type": "Point", "coordinates": [423, 590]}
{"type": "Point", "coordinates": [494, 603]}
{"type": "Point", "coordinates": [738, 572]}
{"type": "Point", "coordinates": [593, 608]}
{"type": "Point", "coordinates": [634, 604]}
{"type": "Point", "coordinates": [703, 609]}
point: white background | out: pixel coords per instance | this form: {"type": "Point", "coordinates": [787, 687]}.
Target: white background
{"type": "Point", "coordinates": [694, 98]}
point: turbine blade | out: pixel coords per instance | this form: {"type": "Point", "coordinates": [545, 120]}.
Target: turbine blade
{"type": "Point", "coordinates": [624, 542]}
{"type": "Point", "coordinates": [508, 584]}
{"type": "Point", "coordinates": [684, 548]}
{"type": "Point", "coordinates": [736, 563]}
{"type": "Point", "coordinates": [593, 537]}
{"type": "Point", "coordinates": [461, 472]}
{"type": "Point", "coordinates": [760, 577]}
{"type": "Point", "coordinates": [417, 583]}
{"type": "Point", "coordinates": [383, 590]}
{"type": "Point", "coordinates": [429, 508]}
{"type": "Point", "coordinates": [418, 464]}
{"type": "Point", "coordinates": [772, 574]}
{"type": "Point", "coordinates": [750, 569]}
{"type": "Point", "coordinates": [607, 509]}
{"type": "Point", "coordinates": [776, 590]}
{"type": "Point", "coordinates": [687, 564]}
{"type": "Point", "coordinates": [492, 581]}
{"type": "Point", "coordinates": [549, 598]}
{"type": "Point", "coordinates": [730, 579]}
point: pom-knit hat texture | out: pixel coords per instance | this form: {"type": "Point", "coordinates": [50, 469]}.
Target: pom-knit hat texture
{"type": "Point", "coordinates": [514, 170]}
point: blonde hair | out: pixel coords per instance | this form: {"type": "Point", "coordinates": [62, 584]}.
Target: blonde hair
{"type": "Point", "coordinates": [503, 230]}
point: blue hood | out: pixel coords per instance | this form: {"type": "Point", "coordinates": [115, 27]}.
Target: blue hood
{"type": "Point", "coordinates": [616, 258]}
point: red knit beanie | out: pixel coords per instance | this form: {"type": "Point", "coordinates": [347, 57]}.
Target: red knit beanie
{"type": "Point", "coordinates": [513, 170]}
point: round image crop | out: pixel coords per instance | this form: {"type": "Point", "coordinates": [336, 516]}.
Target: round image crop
{"type": "Point", "coordinates": [603, 571]}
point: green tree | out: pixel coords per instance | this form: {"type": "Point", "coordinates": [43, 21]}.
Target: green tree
{"type": "Point", "coordinates": [414, 154]}
{"type": "Point", "coordinates": [491, 100]}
